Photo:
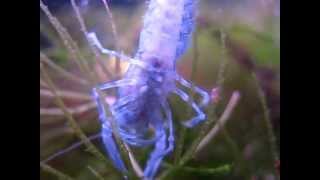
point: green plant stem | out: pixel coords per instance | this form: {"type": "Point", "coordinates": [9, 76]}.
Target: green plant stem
{"type": "Point", "coordinates": [180, 143]}
{"type": "Point", "coordinates": [60, 70]}
{"type": "Point", "coordinates": [223, 63]}
{"type": "Point", "coordinates": [95, 173]}
{"type": "Point", "coordinates": [74, 125]}
{"type": "Point", "coordinates": [267, 122]}
{"type": "Point", "coordinates": [239, 160]}
{"type": "Point", "coordinates": [203, 133]}
{"type": "Point", "coordinates": [67, 94]}
{"type": "Point", "coordinates": [115, 34]}
{"type": "Point", "coordinates": [193, 72]}
{"type": "Point", "coordinates": [212, 171]}
{"type": "Point", "coordinates": [116, 134]}
{"type": "Point", "coordinates": [55, 172]}
{"type": "Point", "coordinates": [85, 32]}
{"type": "Point", "coordinates": [220, 125]}
{"type": "Point", "coordinates": [220, 82]}
{"type": "Point", "coordinates": [189, 153]}
{"type": "Point", "coordinates": [182, 134]}
{"type": "Point", "coordinates": [206, 124]}
{"type": "Point", "coordinates": [70, 44]}
{"type": "Point", "coordinates": [135, 166]}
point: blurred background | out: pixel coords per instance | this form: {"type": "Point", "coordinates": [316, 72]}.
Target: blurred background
{"type": "Point", "coordinates": [237, 38]}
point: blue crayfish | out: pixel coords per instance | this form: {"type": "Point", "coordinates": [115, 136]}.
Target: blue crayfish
{"type": "Point", "coordinates": [150, 78]}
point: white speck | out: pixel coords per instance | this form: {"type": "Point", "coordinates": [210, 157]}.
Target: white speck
{"type": "Point", "coordinates": [159, 79]}
{"type": "Point", "coordinates": [143, 89]}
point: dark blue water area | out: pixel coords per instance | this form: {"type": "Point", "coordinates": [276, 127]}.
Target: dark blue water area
{"type": "Point", "coordinates": [56, 5]}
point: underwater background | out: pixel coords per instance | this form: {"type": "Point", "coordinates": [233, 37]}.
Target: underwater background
{"type": "Point", "coordinates": [236, 47]}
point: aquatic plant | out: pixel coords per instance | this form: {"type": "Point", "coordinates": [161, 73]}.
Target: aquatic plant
{"type": "Point", "coordinates": [185, 151]}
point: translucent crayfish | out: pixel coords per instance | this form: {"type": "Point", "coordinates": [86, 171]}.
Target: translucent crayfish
{"type": "Point", "coordinates": [150, 79]}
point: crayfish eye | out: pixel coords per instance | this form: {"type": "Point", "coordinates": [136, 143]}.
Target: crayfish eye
{"type": "Point", "coordinates": [156, 63]}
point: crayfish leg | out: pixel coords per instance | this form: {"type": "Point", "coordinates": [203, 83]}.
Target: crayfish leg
{"type": "Point", "coordinates": [161, 148]}
{"type": "Point", "coordinates": [111, 147]}
{"type": "Point", "coordinates": [94, 41]}
{"type": "Point", "coordinates": [200, 115]}
{"type": "Point", "coordinates": [156, 155]}
{"type": "Point", "coordinates": [205, 96]}
{"type": "Point", "coordinates": [106, 134]}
